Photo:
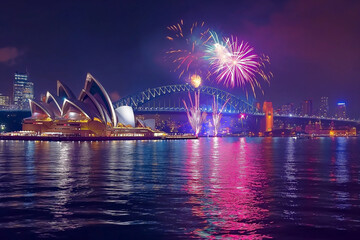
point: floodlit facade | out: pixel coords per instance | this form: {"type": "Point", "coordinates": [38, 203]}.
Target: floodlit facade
{"type": "Point", "coordinates": [125, 115]}
{"type": "Point", "coordinates": [269, 117]}
{"type": "Point", "coordinates": [149, 123]}
{"type": "Point", "coordinates": [90, 114]}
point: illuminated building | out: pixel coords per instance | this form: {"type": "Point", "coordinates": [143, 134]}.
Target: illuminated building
{"type": "Point", "coordinates": [269, 116]}
{"type": "Point", "coordinates": [4, 101]}
{"type": "Point", "coordinates": [340, 110]}
{"type": "Point", "coordinates": [23, 91]}
{"type": "Point", "coordinates": [126, 116]}
{"type": "Point", "coordinates": [147, 123]}
{"type": "Point", "coordinates": [287, 109]}
{"type": "Point", "coordinates": [316, 129]}
{"type": "Point", "coordinates": [89, 114]}
{"type": "Point", "coordinates": [324, 107]}
{"type": "Point", "coordinates": [307, 108]}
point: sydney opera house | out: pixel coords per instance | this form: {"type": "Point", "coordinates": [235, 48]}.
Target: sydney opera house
{"type": "Point", "coordinates": [91, 114]}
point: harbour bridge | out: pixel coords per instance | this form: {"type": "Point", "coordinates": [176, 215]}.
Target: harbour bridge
{"type": "Point", "coordinates": [139, 101]}
{"type": "Point", "coordinates": [148, 101]}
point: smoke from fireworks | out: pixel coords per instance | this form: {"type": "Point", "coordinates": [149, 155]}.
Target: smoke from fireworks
{"type": "Point", "coordinates": [235, 63]}
{"type": "Point", "coordinates": [188, 48]}
{"type": "Point", "coordinates": [194, 115]}
{"type": "Point", "coordinates": [217, 115]}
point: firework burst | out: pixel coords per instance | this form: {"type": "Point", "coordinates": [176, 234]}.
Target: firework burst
{"type": "Point", "coordinates": [235, 64]}
{"type": "Point", "coordinates": [188, 48]}
{"type": "Point", "coordinates": [195, 80]}
{"type": "Point", "coordinates": [195, 117]}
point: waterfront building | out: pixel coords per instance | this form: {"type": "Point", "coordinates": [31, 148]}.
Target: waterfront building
{"type": "Point", "coordinates": [307, 108]}
{"type": "Point", "coordinates": [340, 111]}
{"type": "Point", "coordinates": [316, 129]}
{"type": "Point", "coordinates": [324, 107]}
{"type": "Point", "coordinates": [91, 114]}
{"type": "Point", "coordinates": [4, 101]}
{"type": "Point", "coordinates": [23, 91]}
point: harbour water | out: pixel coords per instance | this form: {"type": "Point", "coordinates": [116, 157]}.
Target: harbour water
{"type": "Point", "coordinates": [240, 188]}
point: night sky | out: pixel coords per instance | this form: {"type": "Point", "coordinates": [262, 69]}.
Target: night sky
{"type": "Point", "coordinates": [314, 45]}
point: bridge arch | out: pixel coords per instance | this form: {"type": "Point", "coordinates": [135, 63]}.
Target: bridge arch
{"type": "Point", "coordinates": [139, 99]}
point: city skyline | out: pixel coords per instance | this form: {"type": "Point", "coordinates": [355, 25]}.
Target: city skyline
{"type": "Point", "coordinates": [108, 42]}
{"type": "Point", "coordinates": [317, 107]}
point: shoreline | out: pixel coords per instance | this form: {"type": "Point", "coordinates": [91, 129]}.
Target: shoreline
{"type": "Point", "coordinates": [116, 138]}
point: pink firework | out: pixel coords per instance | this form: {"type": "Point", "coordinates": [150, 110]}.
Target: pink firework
{"type": "Point", "coordinates": [239, 66]}
{"type": "Point", "coordinates": [217, 115]}
{"type": "Point", "coordinates": [235, 64]}
{"type": "Point", "coordinates": [195, 117]}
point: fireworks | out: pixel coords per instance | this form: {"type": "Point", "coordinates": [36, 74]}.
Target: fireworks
{"type": "Point", "coordinates": [217, 114]}
{"type": "Point", "coordinates": [195, 80]}
{"type": "Point", "coordinates": [194, 115]}
{"type": "Point", "coordinates": [199, 54]}
{"type": "Point", "coordinates": [216, 52]}
{"type": "Point", "coordinates": [188, 47]}
{"type": "Point", "coordinates": [235, 63]}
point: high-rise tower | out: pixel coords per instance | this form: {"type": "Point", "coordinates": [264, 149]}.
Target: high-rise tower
{"type": "Point", "coordinates": [307, 108]}
{"type": "Point", "coordinates": [324, 107]}
{"type": "Point", "coordinates": [340, 110]}
{"type": "Point", "coordinates": [23, 91]}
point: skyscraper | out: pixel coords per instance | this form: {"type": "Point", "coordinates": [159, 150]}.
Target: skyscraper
{"type": "Point", "coordinates": [324, 107]}
{"type": "Point", "coordinates": [340, 110]}
{"type": "Point", "coordinates": [4, 101]}
{"type": "Point", "coordinates": [287, 109]}
{"type": "Point", "coordinates": [307, 108]}
{"type": "Point", "coordinates": [23, 91]}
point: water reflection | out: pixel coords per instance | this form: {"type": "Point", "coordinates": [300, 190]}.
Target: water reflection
{"type": "Point", "coordinates": [341, 171]}
{"type": "Point", "coordinates": [206, 188]}
{"type": "Point", "coordinates": [231, 202]}
{"type": "Point", "coordinates": [291, 182]}
{"type": "Point", "coordinates": [341, 177]}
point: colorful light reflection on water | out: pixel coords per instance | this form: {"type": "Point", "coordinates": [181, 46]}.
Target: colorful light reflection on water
{"type": "Point", "coordinates": [238, 188]}
{"type": "Point", "coordinates": [230, 192]}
